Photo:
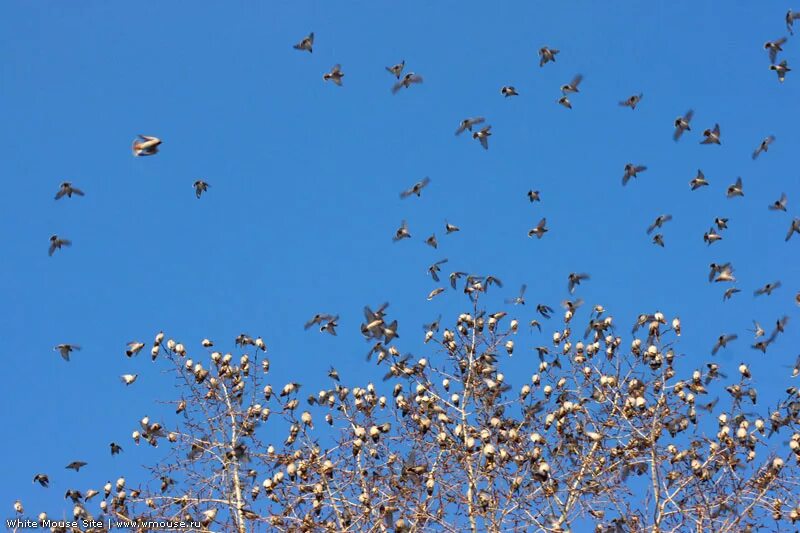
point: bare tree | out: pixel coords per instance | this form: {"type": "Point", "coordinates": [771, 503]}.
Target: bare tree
{"type": "Point", "coordinates": [603, 434]}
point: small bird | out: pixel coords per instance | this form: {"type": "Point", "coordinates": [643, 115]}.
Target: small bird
{"type": "Point", "coordinates": [632, 101]}
{"type": "Point", "coordinates": [416, 189]}
{"type": "Point", "coordinates": [729, 292]}
{"type": "Point", "coordinates": [764, 146]}
{"type": "Point", "coordinates": [757, 330]}
{"type": "Point", "coordinates": [145, 145]}
{"type": "Point", "coordinates": [546, 55]}
{"type": "Point", "coordinates": [397, 70]}
{"type": "Point", "coordinates": [565, 102]}
{"type": "Point", "coordinates": [793, 228]}
{"type": "Point", "coordinates": [779, 204]}
{"type": "Point", "coordinates": [335, 75]}
{"type": "Point", "coordinates": [722, 223]}
{"type": "Point", "coordinates": [736, 189]}
{"type": "Point", "coordinates": [539, 230]}
{"type": "Point", "coordinates": [434, 269]}
{"type": "Point", "coordinates": [781, 69]}
{"type": "Point", "coordinates": [520, 299]}
{"type": "Point", "coordinates": [508, 90]}
{"type": "Point", "coordinates": [18, 507]}
{"type": "Point", "coordinates": [682, 124]}
{"type": "Point", "coordinates": [66, 189]}
{"type": "Point", "coordinates": [658, 239]}
{"type": "Point", "coordinates": [544, 310]}
{"type": "Point", "coordinates": [572, 87]}
{"type": "Point", "coordinates": [534, 196]}
{"type": "Point", "coordinates": [710, 237]}
{"type": "Point", "coordinates": [711, 135]}
{"type": "Point", "coordinates": [722, 342]}
{"type": "Point", "coordinates": [402, 232]}
{"type": "Point", "coordinates": [698, 181]}
{"type": "Point", "coordinates": [406, 82]}
{"type": "Point", "coordinates": [115, 448]}
{"type": "Point", "coordinates": [574, 279]}
{"type": "Point", "coordinates": [319, 318]}
{"type": "Point", "coordinates": [432, 242]}
{"type": "Point", "coordinates": [450, 228]}
{"type": "Point", "coordinates": [56, 243]}
{"type": "Point", "coordinates": [76, 465]}
{"type": "Point", "coordinates": [42, 480]}
{"type": "Point", "coordinates": [773, 47]}
{"type": "Point", "coordinates": [483, 136]}
{"type": "Point", "coordinates": [467, 124]}
{"type": "Point", "coordinates": [767, 289]}
{"type": "Point", "coordinates": [435, 292]}
{"type": "Point", "coordinates": [134, 347]}
{"type": "Point", "coordinates": [790, 18]}
{"type": "Point", "coordinates": [631, 171]}
{"type": "Point", "coordinates": [330, 326]}
{"type": "Point", "coordinates": [128, 379]}
{"type": "Point", "coordinates": [66, 349]}
{"type": "Point", "coordinates": [658, 222]}
{"type": "Point", "coordinates": [307, 43]}
{"type": "Point", "coordinates": [200, 187]}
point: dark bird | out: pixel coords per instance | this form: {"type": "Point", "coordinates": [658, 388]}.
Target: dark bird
{"type": "Point", "coordinates": [76, 465]}
{"type": "Point", "coordinates": [467, 124]}
{"type": "Point", "coordinates": [66, 349]}
{"type": "Point", "coordinates": [335, 75]}
{"type": "Point", "coordinates": [115, 448]}
{"type": "Point", "coordinates": [397, 70]}
{"type": "Point", "coordinates": [450, 228]}
{"type": "Point", "coordinates": [483, 136]}
{"type": "Point", "coordinates": [406, 82]}
{"type": "Point", "coordinates": [574, 279]}
{"type": "Point", "coordinates": [432, 242]}
{"type": "Point", "coordinates": [200, 187]}
{"type": "Point", "coordinates": [539, 230]}
{"type": "Point", "coordinates": [682, 124]}
{"type": "Point", "coordinates": [42, 480]}
{"type": "Point", "coordinates": [631, 171]}
{"type": "Point", "coordinates": [658, 222]}
{"type": "Point", "coordinates": [66, 189]}
{"type": "Point", "coordinates": [533, 196]}
{"type": "Point", "coordinates": [698, 181]}
{"type": "Point", "coordinates": [729, 292]}
{"type": "Point", "coordinates": [307, 43]}
{"type": "Point", "coordinates": [711, 136]}
{"type": "Point", "coordinates": [722, 342]}
{"type": "Point", "coordinates": [722, 223]}
{"type": "Point", "coordinates": [416, 189]}
{"type": "Point", "coordinates": [767, 289]}
{"type": "Point", "coordinates": [508, 90]}
{"type": "Point", "coordinates": [779, 204]}
{"type": "Point", "coordinates": [330, 326]}
{"type": "Point", "coordinates": [658, 239]}
{"type": "Point", "coordinates": [546, 55]}
{"type": "Point", "coordinates": [56, 243]}
{"type": "Point", "coordinates": [572, 87]}
{"type": "Point", "coordinates": [773, 47]}
{"type": "Point", "coordinates": [565, 102]}
{"type": "Point", "coordinates": [434, 269]}
{"type": "Point", "coordinates": [632, 101]}
{"type": "Point", "coordinates": [544, 310]}
{"type": "Point", "coordinates": [781, 69]}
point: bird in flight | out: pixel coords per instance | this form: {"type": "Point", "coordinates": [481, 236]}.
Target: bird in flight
{"type": "Point", "coordinates": [773, 47]}
{"type": "Point", "coordinates": [632, 101]}
{"type": "Point", "coordinates": [416, 189]}
{"type": "Point", "coordinates": [631, 171]}
{"type": "Point", "coordinates": [467, 124]}
{"type": "Point", "coordinates": [763, 146]}
{"type": "Point", "coordinates": [200, 187]}
{"type": "Point", "coordinates": [698, 181]}
{"type": "Point", "coordinates": [397, 70]}
{"type": "Point", "coordinates": [407, 81]}
{"type": "Point", "coordinates": [539, 230]}
{"type": "Point", "coordinates": [736, 189]}
{"type": "Point", "coordinates": [711, 136]}
{"type": "Point", "coordinates": [572, 87]}
{"type": "Point", "coordinates": [66, 349]}
{"type": "Point", "coordinates": [546, 55]}
{"type": "Point", "coordinates": [56, 243]}
{"type": "Point", "coordinates": [779, 204]}
{"type": "Point", "coordinates": [66, 189]}
{"type": "Point", "coordinates": [307, 43]}
{"type": "Point", "coordinates": [508, 90]}
{"type": "Point", "coordinates": [682, 124]}
{"type": "Point", "coordinates": [335, 75]}
{"type": "Point", "coordinates": [145, 145]}
{"type": "Point", "coordinates": [781, 69]}
{"type": "Point", "coordinates": [483, 136]}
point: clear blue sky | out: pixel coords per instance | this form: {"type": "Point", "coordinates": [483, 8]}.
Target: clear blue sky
{"type": "Point", "coordinates": [305, 179]}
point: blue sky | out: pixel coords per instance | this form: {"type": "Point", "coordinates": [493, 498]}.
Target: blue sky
{"type": "Point", "coordinates": [305, 179]}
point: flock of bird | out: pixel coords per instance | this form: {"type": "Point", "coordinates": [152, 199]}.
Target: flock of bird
{"type": "Point", "coordinates": [376, 327]}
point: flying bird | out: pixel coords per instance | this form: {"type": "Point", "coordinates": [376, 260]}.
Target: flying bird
{"type": "Point", "coordinates": [128, 379]}
{"type": "Point", "coordinates": [42, 480]}
{"type": "Point", "coordinates": [416, 189]}
{"type": "Point", "coordinates": [790, 18]}
{"type": "Point", "coordinates": [572, 87]}
{"type": "Point", "coordinates": [767, 289]}
{"type": "Point", "coordinates": [779, 204]}
{"type": "Point", "coordinates": [66, 349]}
{"type": "Point", "coordinates": [408, 80]}
{"type": "Point", "coordinates": [319, 318]}
{"type": "Point", "coordinates": [736, 189]}
{"type": "Point", "coordinates": [432, 242]}
{"type": "Point", "coordinates": [56, 243]}
{"type": "Point", "coordinates": [632, 101]}
{"type": "Point", "coordinates": [781, 69]}
{"type": "Point", "coordinates": [66, 189]}
{"type": "Point", "coordinates": [335, 75]}
{"type": "Point", "coordinates": [200, 187]}
{"type": "Point", "coordinates": [434, 269]}
{"type": "Point", "coordinates": [658, 222]}
{"type": "Point", "coordinates": [682, 124]}
{"type": "Point", "coordinates": [721, 222]}
{"type": "Point", "coordinates": [722, 342]}
{"type": "Point", "coordinates": [534, 196]}
{"type": "Point", "coordinates": [546, 55]}
{"type": "Point", "coordinates": [711, 136]}
{"type": "Point", "coordinates": [76, 465]}
{"type": "Point", "coordinates": [450, 228]}
{"type": "Point", "coordinates": [508, 90]}
{"type": "Point", "coordinates": [539, 230]}
{"type": "Point", "coordinates": [435, 292]}
{"type": "Point", "coordinates": [574, 279]}
{"type": "Point", "coordinates": [764, 146]}
{"type": "Point", "coordinates": [773, 47]}
{"type": "Point", "coordinates": [307, 43]}
{"type": "Point", "coordinates": [145, 145]}
{"type": "Point", "coordinates": [631, 171]}
{"type": "Point", "coordinates": [520, 299]}
{"type": "Point", "coordinates": [793, 228]}
{"type": "Point", "coordinates": [402, 232]}
{"type": "Point", "coordinates": [483, 136]}
{"type": "Point", "coordinates": [565, 102]}
{"type": "Point", "coordinates": [397, 70]}
{"type": "Point", "coordinates": [658, 239]}
{"type": "Point", "coordinates": [467, 124]}
{"type": "Point", "coordinates": [698, 181]}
